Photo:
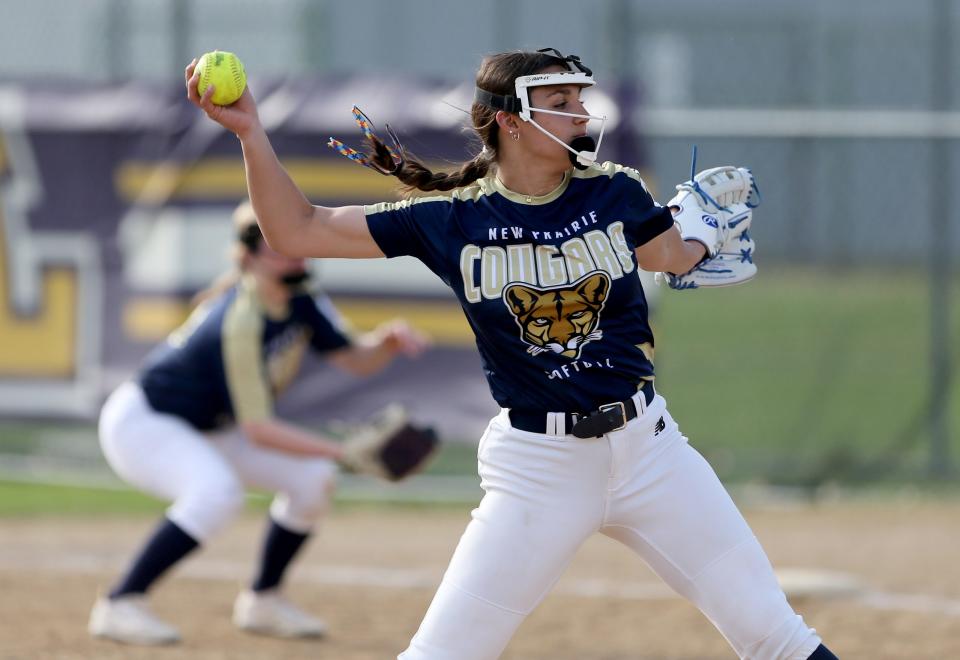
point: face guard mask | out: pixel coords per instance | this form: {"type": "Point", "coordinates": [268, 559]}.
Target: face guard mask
{"type": "Point", "coordinates": [583, 150]}
{"type": "Point", "coordinates": [295, 280]}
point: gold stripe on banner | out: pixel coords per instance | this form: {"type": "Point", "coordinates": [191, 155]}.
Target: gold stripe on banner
{"type": "Point", "coordinates": [41, 344]}
{"type": "Point", "coordinates": [152, 319]}
{"type": "Point", "coordinates": [224, 178]}
{"type": "Point", "coordinates": [444, 322]}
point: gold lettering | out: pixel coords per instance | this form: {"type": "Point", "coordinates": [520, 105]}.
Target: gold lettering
{"type": "Point", "coordinates": [619, 242]}
{"type": "Point", "coordinates": [603, 253]}
{"type": "Point", "coordinates": [579, 262]}
{"type": "Point", "coordinates": [550, 268]}
{"type": "Point", "coordinates": [493, 271]}
{"type": "Point", "coordinates": [521, 264]}
{"type": "Point", "coordinates": [468, 255]}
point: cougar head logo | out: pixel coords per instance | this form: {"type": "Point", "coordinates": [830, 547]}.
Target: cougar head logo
{"type": "Point", "coordinates": [559, 319]}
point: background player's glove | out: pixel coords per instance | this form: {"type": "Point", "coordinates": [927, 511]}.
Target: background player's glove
{"type": "Point", "coordinates": [390, 447]}
{"type": "Point", "coordinates": [710, 201]}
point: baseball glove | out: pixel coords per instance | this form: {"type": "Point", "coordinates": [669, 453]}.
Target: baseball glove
{"type": "Point", "coordinates": [732, 265]}
{"type": "Point", "coordinates": [389, 447]}
{"type": "Point", "coordinates": [716, 208]}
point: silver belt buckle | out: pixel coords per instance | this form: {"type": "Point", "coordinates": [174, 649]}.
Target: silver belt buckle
{"type": "Point", "coordinates": [623, 413]}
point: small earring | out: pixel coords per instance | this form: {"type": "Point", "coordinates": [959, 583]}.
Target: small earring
{"type": "Point", "coordinates": [515, 136]}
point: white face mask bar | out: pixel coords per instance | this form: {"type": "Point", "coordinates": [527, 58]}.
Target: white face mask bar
{"type": "Point", "coordinates": [583, 150]}
{"type": "Point", "coordinates": [584, 157]}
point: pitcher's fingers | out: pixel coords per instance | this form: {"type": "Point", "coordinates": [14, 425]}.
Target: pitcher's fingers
{"type": "Point", "coordinates": [193, 93]}
{"type": "Point", "coordinates": [206, 101]}
{"type": "Point", "coordinates": [207, 105]}
{"type": "Point", "coordinates": [188, 72]}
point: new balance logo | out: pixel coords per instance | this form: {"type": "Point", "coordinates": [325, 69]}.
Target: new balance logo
{"type": "Point", "coordinates": [659, 427]}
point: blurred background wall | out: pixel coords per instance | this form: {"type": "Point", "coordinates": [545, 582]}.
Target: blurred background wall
{"type": "Point", "coordinates": [847, 111]}
{"type": "Point", "coordinates": [826, 94]}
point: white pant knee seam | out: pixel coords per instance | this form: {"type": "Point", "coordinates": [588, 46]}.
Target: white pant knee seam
{"type": "Point", "coordinates": [721, 557]}
{"type": "Point", "coordinates": [655, 547]}
{"type": "Point", "coordinates": [488, 602]}
{"type": "Point", "coordinates": [689, 578]}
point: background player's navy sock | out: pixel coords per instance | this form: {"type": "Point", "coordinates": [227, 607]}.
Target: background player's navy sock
{"type": "Point", "coordinates": [279, 547]}
{"type": "Point", "coordinates": [168, 545]}
{"type": "Point", "coordinates": [822, 653]}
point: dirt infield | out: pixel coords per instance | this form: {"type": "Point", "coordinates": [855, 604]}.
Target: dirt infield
{"type": "Point", "coordinates": [371, 575]}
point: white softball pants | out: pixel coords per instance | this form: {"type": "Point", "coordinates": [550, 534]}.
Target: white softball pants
{"type": "Point", "coordinates": [544, 495]}
{"type": "Point", "coordinates": [205, 474]}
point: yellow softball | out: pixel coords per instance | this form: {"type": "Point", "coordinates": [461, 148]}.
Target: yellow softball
{"type": "Point", "coordinates": [225, 72]}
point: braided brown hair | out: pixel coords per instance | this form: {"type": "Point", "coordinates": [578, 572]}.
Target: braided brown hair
{"type": "Point", "coordinates": [497, 75]}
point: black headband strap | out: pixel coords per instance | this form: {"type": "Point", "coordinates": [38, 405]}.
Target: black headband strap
{"type": "Point", "coordinates": [496, 101]}
{"type": "Point", "coordinates": [512, 103]}
{"type": "Point", "coordinates": [570, 60]}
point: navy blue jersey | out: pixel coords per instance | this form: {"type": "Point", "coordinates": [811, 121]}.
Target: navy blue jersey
{"type": "Point", "coordinates": [233, 356]}
{"type": "Point", "coordinates": [549, 284]}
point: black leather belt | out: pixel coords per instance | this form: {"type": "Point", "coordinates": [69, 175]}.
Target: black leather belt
{"type": "Point", "coordinates": [605, 419]}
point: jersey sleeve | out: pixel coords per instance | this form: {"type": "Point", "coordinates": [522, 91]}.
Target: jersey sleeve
{"type": "Point", "coordinates": [414, 227]}
{"type": "Point", "coordinates": [243, 363]}
{"type": "Point", "coordinates": [644, 218]}
{"type": "Point", "coordinates": [329, 329]}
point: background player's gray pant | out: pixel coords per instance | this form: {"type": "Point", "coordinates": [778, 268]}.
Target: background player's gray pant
{"type": "Point", "coordinates": [650, 490]}
{"type": "Point", "coordinates": [205, 475]}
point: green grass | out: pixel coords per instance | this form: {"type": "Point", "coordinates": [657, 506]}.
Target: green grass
{"type": "Point", "coordinates": [21, 437]}
{"type": "Point", "coordinates": [26, 499]}
{"type": "Point", "coordinates": [454, 459]}
{"type": "Point", "coordinates": [36, 500]}
{"type": "Point", "coordinates": [805, 376]}
{"type": "Point", "coordinates": [20, 499]}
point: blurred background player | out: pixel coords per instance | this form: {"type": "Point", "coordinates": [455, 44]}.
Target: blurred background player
{"type": "Point", "coordinates": [197, 427]}
{"type": "Point", "coordinates": [540, 244]}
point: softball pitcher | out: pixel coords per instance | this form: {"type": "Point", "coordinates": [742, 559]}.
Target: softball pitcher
{"type": "Point", "coordinates": [197, 427]}
{"type": "Point", "coordinates": [541, 242]}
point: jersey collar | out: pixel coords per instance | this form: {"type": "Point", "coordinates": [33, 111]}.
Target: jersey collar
{"type": "Point", "coordinates": [495, 185]}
